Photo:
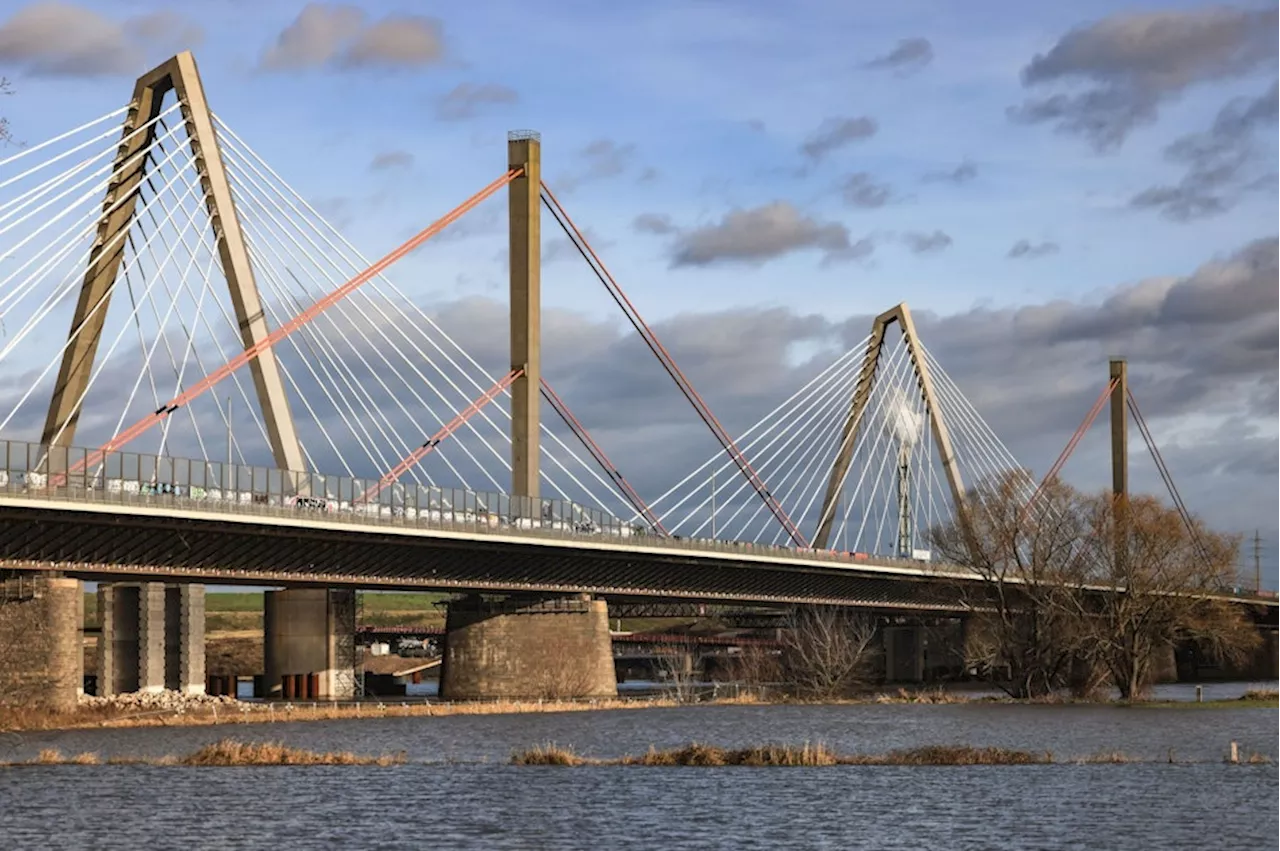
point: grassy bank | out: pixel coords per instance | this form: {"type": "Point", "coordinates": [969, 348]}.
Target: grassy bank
{"type": "Point", "coordinates": [25, 720]}
{"type": "Point", "coordinates": [16, 719]}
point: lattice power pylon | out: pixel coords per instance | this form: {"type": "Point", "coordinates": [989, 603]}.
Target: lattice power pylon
{"type": "Point", "coordinates": [180, 76]}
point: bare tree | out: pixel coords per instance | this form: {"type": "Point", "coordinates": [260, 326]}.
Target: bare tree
{"type": "Point", "coordinates": [1024, 635]}
{"type": "Point", "coordinates": [676, 668]}
{"type": "Point", "coordinates": [6, 132]}
{"type": "Point", "coordinates": [757, 666]}
{"type": "Point", "coordinates": [827, 651]}
{"type": "Point", "coordinates": [1167, 581]}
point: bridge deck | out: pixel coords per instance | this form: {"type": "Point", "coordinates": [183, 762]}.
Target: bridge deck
{"type": "Point", "coordinates": [96, 534]}
{"type": "Point", "coordinates": [89, 534]}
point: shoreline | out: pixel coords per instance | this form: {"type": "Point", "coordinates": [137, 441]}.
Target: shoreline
{"type": "Point", "coordinates": [212, 712]}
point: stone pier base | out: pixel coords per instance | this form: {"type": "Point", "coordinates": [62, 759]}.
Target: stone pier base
{"type": "Point", "coordinates": [152, 638]}
{"type": "Point", "coordinates": [311, 631]}
{"type": "Point", "coordinates": [41, 641]}
{"type": "Point", "coordinates": [523, 647]}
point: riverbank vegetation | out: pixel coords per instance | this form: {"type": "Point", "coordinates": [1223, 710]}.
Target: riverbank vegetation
{"type": "Point", "coordinates": [225, 753]}
{"type": "Point", "coordinates": [818, 755]}
{"type": "Point", "coordinates": [1081, 592]}
{"type": "Point", "coordinates": [23, 719]}
{"type": "Point", "coordinates": [232, 753]}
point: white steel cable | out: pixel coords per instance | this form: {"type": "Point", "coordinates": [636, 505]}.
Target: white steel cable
{"type": "Point", "coordinates": [554, 437]}
{"type": "Point", "coordinates": [884, 365]}
{"type": "Point", "coordinates": [794, 433]}
{"type": "Point", "coordinates": [57, 359]}
{"type": "Point", "coordinates": [815, 397]}
{"type": "Point", "coordinates": [810, 394]}
{"type": "Point", "coordinates": [47, 142]}
{"type": "Point", "coordinates": [484, 415]}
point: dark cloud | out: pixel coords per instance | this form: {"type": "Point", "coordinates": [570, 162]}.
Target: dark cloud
{"type": "Point", "coordinates": [1025, 248]}
{"type": "Point", "coordinates": [466, 100]}
{"type": "Point", "coordinates": [658, 223]}
{"type": "Point", "coordinates": [836, 133]}
{"type": "Point", "coordinates": [756, 235]}
{"type": "Point", "coordinates": [1200, 346]}
{"type": "Point", "coordinates": [166, 29]}
{"type": "Point", "coordinates": [561, 248]}
{"type": "Point", "coordinates": [862, 190]}
{"type": "Point", "coordinates": [962, 173]}
{"type": "Point", "coordinates": [1222, 163]}
{"type": "Point", "coordinates": [1134, 61]}
{"type": "Point", "coordinates": [600, 160]}
{"type": "Point", "coordinates": [391, 160]}
{"type": "Point", "coordinates": [343, 37]}
{"type": "Point", "coordinates": [53, 39]}
{"type": "Point", "coordinates": [927, 243]}
{"type": "Point", "coordinates": [910, 54]}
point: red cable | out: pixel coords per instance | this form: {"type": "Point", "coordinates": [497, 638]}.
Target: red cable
{"type": "Point", "coordinates": [583, 435]}
{"type": "Point", "coordinates": [288, 328]}
{"type": "Point", "coordinates": [1071, 445]}
{"type": "Point", "coordinates": [449, 428]}
{"type": "Point", "coordinates": [682, 382]}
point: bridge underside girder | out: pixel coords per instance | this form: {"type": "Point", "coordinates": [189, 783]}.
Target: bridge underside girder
{"type": "Point", "coordinates": [120, 546]}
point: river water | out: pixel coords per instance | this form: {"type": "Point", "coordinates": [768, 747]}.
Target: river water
{"type": "Point", "coordinates": [466, 796]}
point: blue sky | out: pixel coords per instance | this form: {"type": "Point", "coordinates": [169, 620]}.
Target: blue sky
{"type": "Point", "coordinates": [681, 82]}
{"type": "Point", "coordinates": [687, 114]}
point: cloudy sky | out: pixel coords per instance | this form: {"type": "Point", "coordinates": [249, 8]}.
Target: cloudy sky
{"type": "Point", "coordinates": [1047, 185]}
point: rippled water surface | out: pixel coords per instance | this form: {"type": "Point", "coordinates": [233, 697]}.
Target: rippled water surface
{"type": "Point", "coordinates": [467, 797]}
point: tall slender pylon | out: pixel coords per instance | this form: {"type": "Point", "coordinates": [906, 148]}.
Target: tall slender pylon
{"type": "Point", "coordinates": [524, 152]}
{"type": "Point", "coordinates": [179, 75]}
{"type": "Point", "coordinates": [900, 314]}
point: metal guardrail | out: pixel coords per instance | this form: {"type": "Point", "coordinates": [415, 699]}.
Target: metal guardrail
{"type": "Point", "coordinates": [125, 478]}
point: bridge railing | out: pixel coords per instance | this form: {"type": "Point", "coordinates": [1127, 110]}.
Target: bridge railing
{"type": "Point", "coordinates": [193, 485]}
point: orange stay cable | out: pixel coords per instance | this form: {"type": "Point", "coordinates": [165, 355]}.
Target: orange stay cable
{"type": "Point", "coordinates": [449, 428]}
{"type": "Point", "coordinates": [289, 327]}
{"type": "Point", "coordinates": [1071, 445]}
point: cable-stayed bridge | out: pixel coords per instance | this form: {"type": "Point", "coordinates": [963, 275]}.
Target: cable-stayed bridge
{"type": "Point", "coordinates": [204, 381]}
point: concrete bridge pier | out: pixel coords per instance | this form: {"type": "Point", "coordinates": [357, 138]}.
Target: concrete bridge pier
{"type": "Point", "coordinates": [904, 660]}
{"type": "Point", "coordinates": [152, 638]}
{"type": "Point", "coordinates": [311, 631]}
{"type": "Point", "coordinates": [527, 646]}
{"type": "Point", "coordinates": [41, 641]}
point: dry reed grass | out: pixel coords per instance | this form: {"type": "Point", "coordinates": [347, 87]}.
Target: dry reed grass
{"type": "Point", "coordinates": [806, 755]}
{"type": "Point", "coordinates": [1261, 695]}
{"type": "Point", "coordinates": [227, 752]}
{"type": "Point", "coordinates": [955, 755]}
{"type": "Point", "coordinates": [24, 720]}
{"type": "Point", "coordinates": [928, 696]}
{"type": "Point", "coordinates": [1111, 758]}
{"type": "Point", "coordinates": [230, 752]}
{"type": "Point", "coordinates": [548, 754]}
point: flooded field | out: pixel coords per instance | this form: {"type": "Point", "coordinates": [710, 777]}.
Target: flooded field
{"type": "Point", "coordinates": [458, 790]}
